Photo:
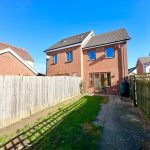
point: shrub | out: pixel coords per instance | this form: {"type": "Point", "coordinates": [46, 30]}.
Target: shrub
{"type": "Point", "coordinates": [82, 87]}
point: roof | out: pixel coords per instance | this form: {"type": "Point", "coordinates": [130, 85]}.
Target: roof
{"type": "Point", "coordinates": [131, 69]}
{"type": "Point", "coordinates": [5, 50]}
{"type": "Point", "coordinates": [21, 52]}
{"type": "Point", "coordinates": [69, 41]}
{"type": "Point", "coordinates": [108, 38]}
{"type": "Point", "coordinates": [144, 60]}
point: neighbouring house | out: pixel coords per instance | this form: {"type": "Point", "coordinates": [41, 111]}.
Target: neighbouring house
{"type": "Point", "coordinates": [132, 71]}
{"type": "Point", "coordinates": [143, 65]}
{"type": "Point", "coordinates": [15, 61]}
{"type": "Point", "coordinates": [100, 60]}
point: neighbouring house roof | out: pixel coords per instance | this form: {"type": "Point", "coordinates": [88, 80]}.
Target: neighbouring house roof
{"type": "Point", "coordinates": [108, 38]}
{"type": "Point", "coordinates": [76, 39]}
{"type": "Point", "coordinates": [5, 50]}
{"type": "Point", "coordinates": [144, 60]}
{"type": "Point", "coordinates": [131, 69]}
{"type": "Point", "coordinates": [21, 52]}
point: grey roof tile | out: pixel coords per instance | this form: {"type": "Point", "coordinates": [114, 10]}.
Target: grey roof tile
{"type": "Point", "coordinates": [107, 38]}
{"type": "Point", "coordinates": [144, 60]}
{"type": "Point", "coordinates": [69, 41]}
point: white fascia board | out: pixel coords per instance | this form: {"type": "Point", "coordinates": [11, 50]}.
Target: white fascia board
{"type": "Point", "coordinates": [86, 40]}
{"type": "Point", "coordinates": [103, 45]}
{"type": "Point", "coordinates": [69, 46]}
{"type": "Point", "coordinates": [140, 61]}
{"type": "Point", "coordinates": [18, 57]}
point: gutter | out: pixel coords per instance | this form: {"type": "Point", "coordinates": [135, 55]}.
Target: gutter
{"type": "Point", "coordinates": [118, 42]}
{"type": "Point", "coordinates": [69, 46]}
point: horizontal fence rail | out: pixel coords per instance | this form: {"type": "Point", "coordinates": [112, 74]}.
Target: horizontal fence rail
{"type": "Point", "coordinates": [22, 96]}
{"type": "Point", "coordinates": [140, 91]}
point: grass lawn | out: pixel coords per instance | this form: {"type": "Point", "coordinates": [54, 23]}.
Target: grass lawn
{"type": "Point", "coordinates": [69, 128]}
{"type": "Point", "coordinates": [76, 130]}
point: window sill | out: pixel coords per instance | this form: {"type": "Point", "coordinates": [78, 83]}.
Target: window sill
{"type": "Point", "coordinates": [91, 59]}
{"type": "Point", "coordinates": [109, 57]}
{"type": "Point", "coordinates": [68, 61]}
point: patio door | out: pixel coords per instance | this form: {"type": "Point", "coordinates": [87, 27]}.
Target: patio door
{"type": "Point", "coordinates": [99, 82]}
{"type": "Point", "coordinates": [102, 81]}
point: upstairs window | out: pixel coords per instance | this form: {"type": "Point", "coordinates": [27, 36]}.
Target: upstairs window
{"type": "Point", "coordinates": [69, 56]}
{"type": "Point", "coordinates": [92, 55]}
{"type": "Point", "coordinates": [54, 59]}
{"type": "Point", "coordinates": [109, 52]}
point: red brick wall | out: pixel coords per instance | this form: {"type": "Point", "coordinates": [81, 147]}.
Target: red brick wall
{"type": "Point", "coordinates": [139, 68]}
{"type": "Point", "coordinates": [10, 65]}
{"type": "Point", "coordinates": [63, 67]}
{"type": "Point", "coordinates": [102, 64]}
{"type": "Point", "coordinates": [118, 66]}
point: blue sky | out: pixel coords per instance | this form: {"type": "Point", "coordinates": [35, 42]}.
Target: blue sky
{"type": "Point", "coordinates": [36, 24]}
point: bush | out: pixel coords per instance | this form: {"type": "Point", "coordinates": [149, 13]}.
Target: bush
{"type": "Point", "coordinates": [82, 87]}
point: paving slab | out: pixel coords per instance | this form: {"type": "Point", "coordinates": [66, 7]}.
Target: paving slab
{"type": "Point", "coordinates": [123, 128]}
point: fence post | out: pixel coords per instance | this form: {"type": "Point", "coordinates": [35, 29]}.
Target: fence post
{"type": "Point", "coordinates": [135, 92]}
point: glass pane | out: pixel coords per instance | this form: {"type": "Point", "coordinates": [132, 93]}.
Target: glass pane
{"type": "Point", "coordinates": [53, 58]}
{"type": "Point", "coordinates": [56, 59]}
{"type": "Point", "coordinates": [70, 56]}
{"type": "Point", "coordinates": [92, 55]}
{"type": "Point", "coordinates": [96, 75]}
{"type": "Point", "coordinates": [67, 56]}
{"type": "Point", "coordinates": [108, 79]}
{"type": "Point", "coordinates": [102, 80]}
{"type": "Point", "coordinates": [91, 79]}
{"type": "Point", "coordinates": [109, 52]}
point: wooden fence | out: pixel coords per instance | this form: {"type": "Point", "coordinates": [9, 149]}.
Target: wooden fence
{"type": "Point", "coordinates": [22, 96]}
{"type": "Point", "coordinates": [140, 92]}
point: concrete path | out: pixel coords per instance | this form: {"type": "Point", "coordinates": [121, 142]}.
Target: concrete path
{"type": "Point", "coordinates": [123, 129]}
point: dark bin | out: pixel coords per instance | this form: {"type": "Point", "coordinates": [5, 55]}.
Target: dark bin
{"type": "Point", "coordinates": [127, 90]}
{"type": "Point", "coordinates": [124, 89]}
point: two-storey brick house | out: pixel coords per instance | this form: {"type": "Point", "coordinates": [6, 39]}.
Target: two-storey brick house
{"type": "Point", "coordinates": [143, 65]}
{"type": "Point", "coordinates": [15, 61]}
{"type": "Point", "coordinates": [100, 60]}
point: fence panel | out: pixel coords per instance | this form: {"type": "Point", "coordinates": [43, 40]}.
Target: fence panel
{"type": "Point", "coordinates": [22, 96]}
{"type": "Point", "coordinates": [140, 91]}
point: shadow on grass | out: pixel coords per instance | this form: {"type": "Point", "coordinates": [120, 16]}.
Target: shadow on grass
{"type": "Point", "coordinates": [69, 128]}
